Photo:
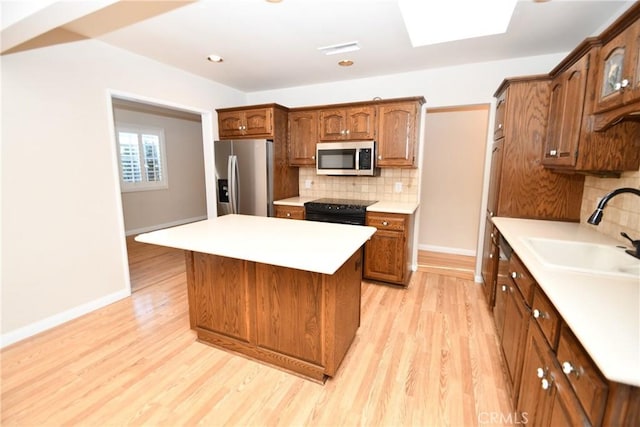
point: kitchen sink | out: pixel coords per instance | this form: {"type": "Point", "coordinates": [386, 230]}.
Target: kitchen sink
{"type": "Point", "coordinates": [585, 257]}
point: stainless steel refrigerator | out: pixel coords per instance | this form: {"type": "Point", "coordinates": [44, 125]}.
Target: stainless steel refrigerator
{"type": "Point", "coordinates": [244, 176]}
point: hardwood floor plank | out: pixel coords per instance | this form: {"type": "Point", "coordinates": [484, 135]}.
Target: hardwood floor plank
{"type": "Point", "coordinates": [423, 355]}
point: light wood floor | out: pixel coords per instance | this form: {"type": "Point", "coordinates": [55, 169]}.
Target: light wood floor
{"type": "Point", "coordinates": [423, 356]}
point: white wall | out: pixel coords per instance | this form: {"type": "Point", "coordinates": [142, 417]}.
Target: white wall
{"type": "Point", "coordinates": [184, 200]}
{"type": "Point", "coordinates": [63, 250]}
{"type": "Point", "coordinates": [455, 144]}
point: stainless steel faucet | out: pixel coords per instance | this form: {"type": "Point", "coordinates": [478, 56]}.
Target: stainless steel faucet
{"type": "Point", "coordinates": [596, 216]}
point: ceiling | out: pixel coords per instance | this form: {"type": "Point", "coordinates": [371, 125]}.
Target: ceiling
{"type": "Point", "coordinates": [274, 45]}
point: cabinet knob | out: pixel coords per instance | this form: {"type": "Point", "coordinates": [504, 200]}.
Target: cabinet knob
{"type": "Point", "coordinates": [540, 372]}
{"type": "Point", "coordinates": [514, 274]}
{"type": "Point", "coordinates": [504, 288]}
{"type": "Point", "coordinates": [624, 83]}
{"type": "Point", "coordinates": [545, 384]}
{"type": "Point", "coordinates": [313, 157]}
{"type": "Point", "coordinates": [553, 153]}
{"type": "Point", "coordinates": [567, 367]}
{"type": "Point", "coordinates": [499, 125]}
{"type": "Point", "coordinates": [617, 86]}
{"type": "Point", "coordinates": [490, 256]}
{"type": "Point", "coordinates": [379, 157]}
{"type": "Point", "coordinates": [385, 223]}
{"type": "Point", "coordinates": [539, 314]}
{"type": "Point", "coordinates": [347, 131]}
{"type": "Point", "coordinates": [288, 213]}
{"type": "Point", "coordinates": [342, 132]}
{"type": "Point", "coordinates": [492, 235]}
{"type": "Point", "coordinates": [491, 214]}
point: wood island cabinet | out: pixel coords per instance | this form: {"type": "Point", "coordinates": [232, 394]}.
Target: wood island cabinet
{"type": "Point", "coordinates": [253, 122]}
{"type": "Point", "coordinates": [352, 123]}
{"type": "Point", "coordinates": [289, 212]}
{"type": "Point", "coordinates": [398, 133]}
{"type": "Point", "coordinates": [387, 252]}
{"type": "Point", "coordinates": [303, 136]}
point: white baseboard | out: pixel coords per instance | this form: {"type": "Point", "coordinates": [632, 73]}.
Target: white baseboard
{"type": "Point", "coordinates": [477, 279]}
{"type": "Point", "coordinates": [60, 318]}
{"type": "Point", "coordinates": [165, 225]}
{"type": "Point", "coordinates": [447, 250]}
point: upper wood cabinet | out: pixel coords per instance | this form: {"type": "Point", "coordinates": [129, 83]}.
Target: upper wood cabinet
{"type": "Point", "coordinates": [398, 133]}
{"type": "Point", "coordinates": [520, 186]}
{"type": "Point", "coordinates": [303, 136]}
{"type": "Point", "coordinates": [567, 96]}
{"type": "Point", "coordinates": [254, 122]}
{"type": "Point", "coordinates": [619, 70]}
{"type": "Point", "coordinates": [352, 123]}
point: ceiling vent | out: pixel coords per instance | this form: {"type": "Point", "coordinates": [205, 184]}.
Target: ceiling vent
{"type": "Point", "coordinates": [340, 48]}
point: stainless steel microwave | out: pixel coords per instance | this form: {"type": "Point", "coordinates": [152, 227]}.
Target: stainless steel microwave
{"type": "Point", "coordinates": [346, 158]}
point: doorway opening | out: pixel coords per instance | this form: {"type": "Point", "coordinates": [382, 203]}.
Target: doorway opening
{"type": "Point", "coordinates": [160, 151]}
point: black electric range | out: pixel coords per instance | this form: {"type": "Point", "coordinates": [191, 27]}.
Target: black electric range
{"type": "Point", "coordinates": [341, 211]}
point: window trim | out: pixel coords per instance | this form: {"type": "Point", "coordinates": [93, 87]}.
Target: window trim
{"type": "Point", "coordinates": [163, 184]}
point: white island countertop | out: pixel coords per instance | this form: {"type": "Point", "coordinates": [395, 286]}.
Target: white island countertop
{"type": "Point", "coordinates": [603, 311]}
{"type": "Point", "coordinates": [304, 245]}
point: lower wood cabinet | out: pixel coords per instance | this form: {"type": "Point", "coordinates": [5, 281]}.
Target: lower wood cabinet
{"type": "Point", "coordinates": [546, 398]}
{"type": "Point", "coordinates": [552, 379]}
{"type": "Point", "coordinates": [387, 252]}
{"type": "Point", "coordinates": [289, 212]}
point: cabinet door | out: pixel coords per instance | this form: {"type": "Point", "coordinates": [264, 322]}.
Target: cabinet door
{"type": "Point", "coordinates": [516, 320]}
{"type": "Point", "coordinates": [384, 256]}
{"type": "Point", "coordinates": [230, 123]}
{"type": "Point", "coordinates": [494, 178]}
{"type": "Point", "coordinates": [303, 135]}
{"type": "Point", "coordinates": [360, 123]}
{"type": "Point", "coordinates": [534, 397]}
{"type": "Point", "coordinates": [397, 134]}
{"type": "Point", "coordinates": [619, 77]}
{"type": "Point", "coordinates": [333, 125]}
{"type": "Point", "coordinates": [632, 92]}
{"type": "Point", "coordinates": [258, 121]}
{"type": "Point", "coordinates": [501, 107]}
{"type": "Point", "coordinates": [502, 291]}
{"type": "Point", "coordinates": [568, 91]}
{"type": "Point", "coordinates": [490, 255]}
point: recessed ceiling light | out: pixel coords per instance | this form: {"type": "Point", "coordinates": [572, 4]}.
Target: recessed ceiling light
{"type": "Point", "coordinates": [274, 1]}
{"type": "Point", "coordinates": [340, 48]}
{"type": "Point", "coordinates": [215, 58]}
{"type": "Point", "coordinates": [345, 63]}
{"type": "Point", "coordinates": [432, 22]}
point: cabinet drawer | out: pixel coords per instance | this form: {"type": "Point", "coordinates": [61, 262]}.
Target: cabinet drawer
{"type": "Point", "coordinates": [291, 212]}
{"type": "Point", "coordinates": [522, 278]}
{"type": "Point", "coordinates": [387, 221]}
{"type": "Point", "coordinates": [584, 377]}
{"type": "Point", "coordinates": [546, 316]}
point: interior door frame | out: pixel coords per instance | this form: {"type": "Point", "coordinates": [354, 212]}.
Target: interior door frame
{"type": "Point", "coordinates": [206, 120]}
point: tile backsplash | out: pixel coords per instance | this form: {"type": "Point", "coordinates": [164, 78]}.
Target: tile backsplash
{"type": "Point", "coordinates": [622, 213]}
{"type": "Point", "coordinates": [383, 187]}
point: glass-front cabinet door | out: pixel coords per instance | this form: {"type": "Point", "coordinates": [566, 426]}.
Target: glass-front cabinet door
{"type": "Point", "coordinates": [619, 81]}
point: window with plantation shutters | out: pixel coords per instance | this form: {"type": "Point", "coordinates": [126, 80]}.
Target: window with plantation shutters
{"type": "Point", "coordinates": [142, 158]}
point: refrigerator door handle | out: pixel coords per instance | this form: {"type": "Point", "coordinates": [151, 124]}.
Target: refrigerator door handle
{"type": "Point", "coordinates": [234, 183]}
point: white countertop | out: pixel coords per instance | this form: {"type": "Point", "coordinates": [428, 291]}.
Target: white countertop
{"type": "Point", "coordinates": [305, 245]}
{"type": "Point", "coordinates": [393, 207]}
{"type": "Point", "coordinates": [294, 201]}
{"type": "Point", "coordinates": [602, 311]}
{"type": "Point", "coordinates": [381, 206]}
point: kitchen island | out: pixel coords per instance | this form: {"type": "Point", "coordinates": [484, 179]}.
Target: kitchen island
{"type": "Point", "coordinates": [283, 292]}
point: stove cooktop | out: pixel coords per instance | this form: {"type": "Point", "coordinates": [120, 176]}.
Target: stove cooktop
{"type": "Point", "coordinates": [343, 202]}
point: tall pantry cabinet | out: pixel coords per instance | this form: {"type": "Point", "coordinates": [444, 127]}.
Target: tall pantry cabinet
{"type": "Point", "coordinates": [519, 184]}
